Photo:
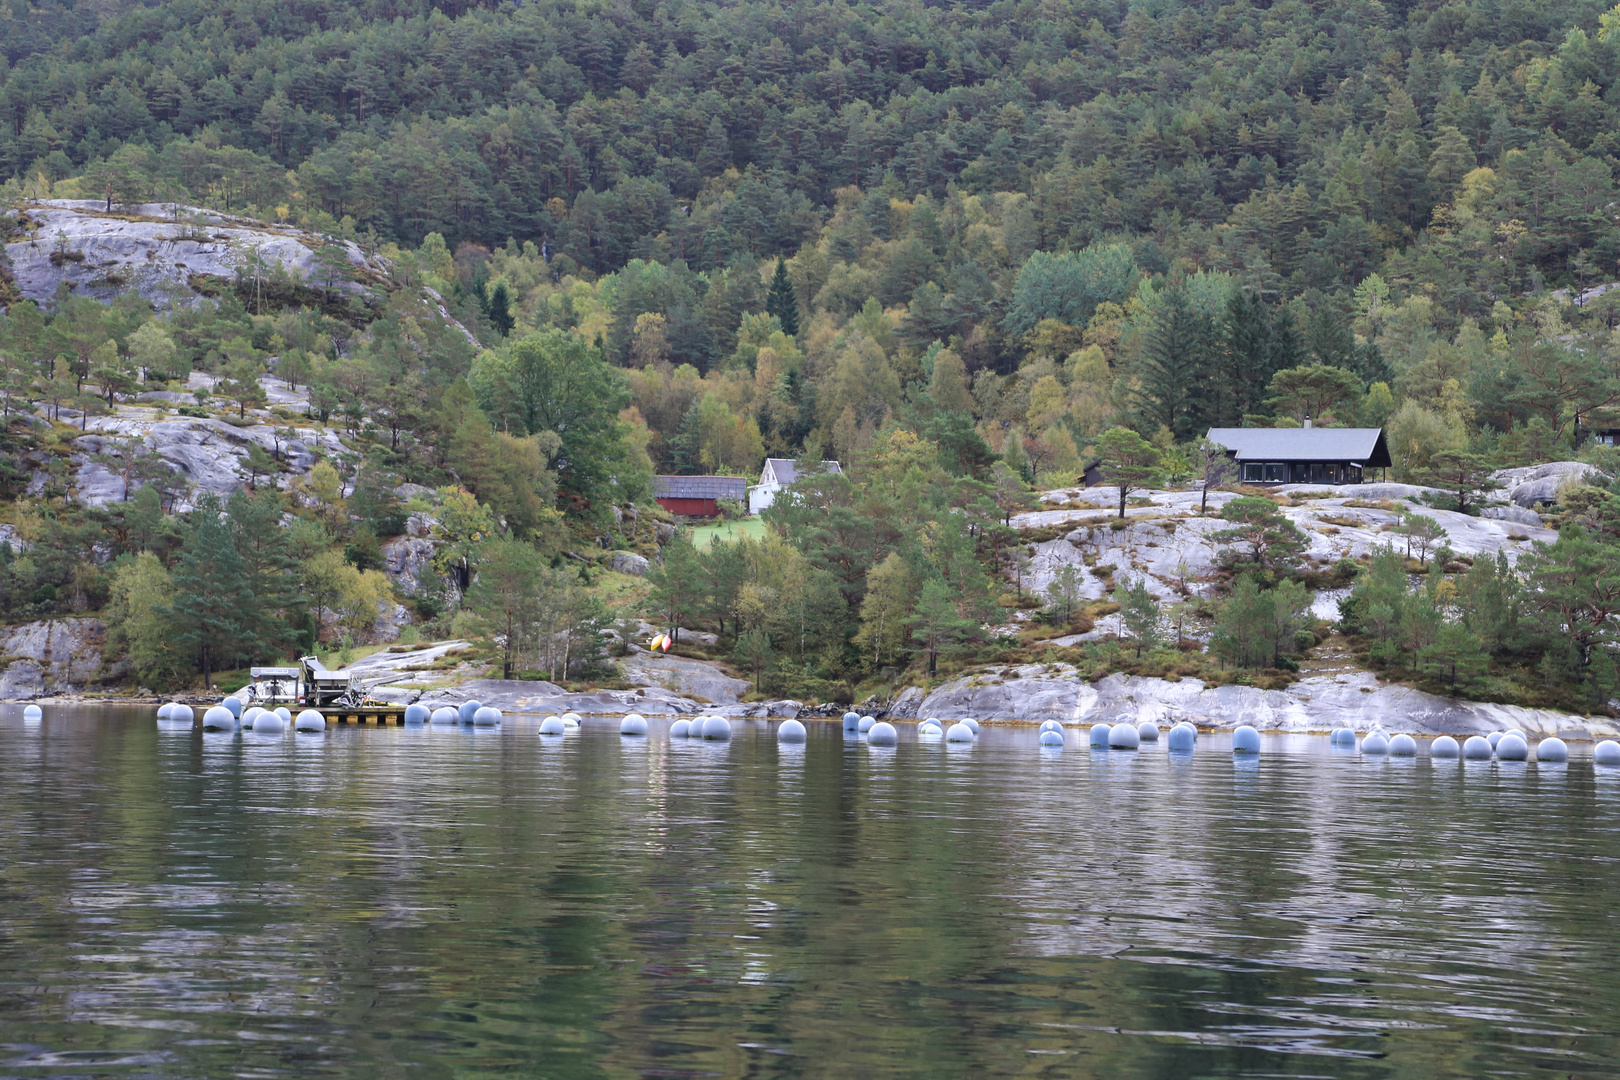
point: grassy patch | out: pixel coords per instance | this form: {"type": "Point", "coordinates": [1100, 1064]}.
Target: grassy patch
{"type": "Point", "coordinates": [728, 532]}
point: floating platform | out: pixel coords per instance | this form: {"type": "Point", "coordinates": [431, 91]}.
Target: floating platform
{"type": "Point", "coordinates": [363, 714]}
{"type": "Point", "coordinates": [344, 714]}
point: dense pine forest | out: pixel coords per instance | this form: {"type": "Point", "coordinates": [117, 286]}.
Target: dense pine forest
{"type": "Point", "coordinates": [967, 250]}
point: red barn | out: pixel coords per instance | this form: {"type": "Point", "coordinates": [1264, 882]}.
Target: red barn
{"type": "Point", "coordinates": [698, 496]}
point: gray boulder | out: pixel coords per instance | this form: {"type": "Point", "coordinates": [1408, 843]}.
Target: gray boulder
{"type": "Point", "coordinates": [628, 562]}
{"type": "Point", "coordinates": [1511, 513]}
{"type": "Point", "coordinates": [680, 675]}
{"type": "Point", "coordinates": [1537, 485]}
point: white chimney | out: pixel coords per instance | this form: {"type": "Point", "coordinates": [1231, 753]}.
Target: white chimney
{"type": "Point", "coordinates": [1307, 423]}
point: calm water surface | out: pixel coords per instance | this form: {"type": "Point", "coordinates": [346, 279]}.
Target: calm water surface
{"type": "Point", "coordinates": [433, 903]}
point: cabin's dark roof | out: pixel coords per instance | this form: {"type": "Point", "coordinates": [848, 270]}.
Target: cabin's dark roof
{"type": "Point", "coordinates": [700, 487]}
{"type": "Point", "coordinates": [1364, 446]}
{"type": "Point", "coordinates": [786, 470]}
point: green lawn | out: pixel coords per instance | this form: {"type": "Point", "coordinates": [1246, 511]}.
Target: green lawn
{"type": "Point", "coordinates": [704, 535]}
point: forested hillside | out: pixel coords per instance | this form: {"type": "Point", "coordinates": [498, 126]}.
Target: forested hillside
{"type": "Point", "coordinates": [966, 250]}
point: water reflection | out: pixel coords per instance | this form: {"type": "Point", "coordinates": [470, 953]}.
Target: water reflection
{"type": "Point", "coordinates": [444, 901]}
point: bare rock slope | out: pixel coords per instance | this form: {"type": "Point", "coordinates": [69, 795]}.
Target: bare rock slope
{"type": "Point", "coordinates": [159, 251]}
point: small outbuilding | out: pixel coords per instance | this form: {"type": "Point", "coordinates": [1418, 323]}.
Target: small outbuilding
{"type": "Point", "coordinates": [777, 474]}
{"type": "Point", "coordinates": [697, 496]}
{"type": "Point", "coordinates": [1304, 455]}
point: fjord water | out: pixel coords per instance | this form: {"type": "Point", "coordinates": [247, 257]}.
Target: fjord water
{"type": "Point", "coordinates": [464, 902]}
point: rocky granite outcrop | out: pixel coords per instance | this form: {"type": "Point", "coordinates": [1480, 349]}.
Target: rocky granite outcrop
{"type": "Point", "coordinates": [159, 251]}
{"type": "Point", "coordinates": [1537, 485]}
{"type": "Point", "coordinates": [1169, 547]}
{"type": "Point", "coordinates": [206, 451]}
{"type": "Point", "coordinates": [1035, 692]}
{"type": "Point", "coordinates": [52, 656]}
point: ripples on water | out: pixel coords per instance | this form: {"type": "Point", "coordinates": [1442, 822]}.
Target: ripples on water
{"type": "Point", "coordinates": [466, 902]}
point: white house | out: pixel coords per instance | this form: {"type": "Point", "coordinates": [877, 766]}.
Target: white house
{"type": "Point", "coordinates": [777, 474]}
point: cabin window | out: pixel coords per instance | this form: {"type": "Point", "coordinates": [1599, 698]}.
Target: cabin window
{"type": "Point", "coordinates": [1276, 472]}
{"type": "Point", "coordinates": [1253, 472]}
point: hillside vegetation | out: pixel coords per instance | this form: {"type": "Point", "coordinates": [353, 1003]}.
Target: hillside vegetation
{"type": "Point", "coordinates": [965, 250]}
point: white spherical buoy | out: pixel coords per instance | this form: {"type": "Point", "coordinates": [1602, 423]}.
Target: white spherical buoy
{"type": "Point", "coordinates": [930, 731]}
{"type": "Point", "coordinates": [486, 716]}
{"type": "Point", "coordinates": [1444, 747]}
{"type": "Point", "coordinates": [1477, 748]}
{"type": "Point", "coordinates": [1342, 737]}
{"type": "Point", "coordinates": [1123, 737]}
{"type": "Point", "coordinates": [1050, 725]}
{"type": "Point", "coordinates": [1493, 738]}
{"type": "Point", "coordinates": [717, 728]}
{"type": "Point", "coordinates": [791, 731]}
{"type": "Point", "coordinates": [882, 734]}
{"type": "Point", "coordinates": [417, 714]}
{"type": "Point", "coordinates": [219, 718]}
{"type": "Point", "coordinates": [467, 709]}
{"type": "Point", "coordinates": [33, 712]}
{"type": "Point", "coordinates": [1403, 746]}
{"type": "Point", "coordinates": [551, 725]}
{"type": "Point", "coordinates": [268, 723]}
{"type": "Point", "coordinates": [866, 724]}
{"type": "Point", "coordinates": [1099, 734]}
{"type": "Point", "coordinates": [1246, 740]}
{"type": "Point", "coordinates": [1182, 738]}
{"type": "Point", "coordinates": [931, 724]}
{"type": "Point", "coordinates": [851, 720]}
{"type": "Point", "coordinates": [182, 713]}
{"type": "Point", "coordinates": [310, 720]}
{"type": "Point", "coordinates": [1147, 732]}
{"type": "Point", "coordinates": [1606, 752]}
{"type": "Point", "coordinates": [570, 720]}
{"type": "Point", "coordinates": [235, 705]}
{"type": "Point", "coordinates": [971, 724]}
{"type": "Point", "coordinates": [633, 724]}
{"type": "Point", "coordinates": [444, 714]}
{"type": "Point", "coordinates": [283, 712]}
{"type": "Point", "coordinates": [959, 733]}
{"type": "Point", "coordinates": [1374, 743]}
{"type": "Point", "coordinates": [164, 711]}
{"type": "Point", "coordinates": [1512, 748]}
{"type": "Point", "coordinates": [680, 729]}
{"type": "Point", "coordinates": [250, 716]}
{"type": "Point", "coordinates": [1052, 737]}
{"type": "Point", "coordinates": [1550, 750]}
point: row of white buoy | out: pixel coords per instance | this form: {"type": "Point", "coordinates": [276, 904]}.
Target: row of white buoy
{"type": "Point", "coordinates": [1124, 735]}
{"type": "Point", "coordinates": [713, 728]}
{"type": "Point", "coordinates": [230, 715]}
{"type": "Point", "coordinates": [1509, 745]}
{"type": "Point", "coordinates": [553, 724]}
{"type": "Point", "coordinates": [1512, 745]}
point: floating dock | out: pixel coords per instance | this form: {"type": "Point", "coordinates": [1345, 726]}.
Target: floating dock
{"type": "Point", "coordinates": [343, 714]}
{"type": "Point", "coordinates": [364, 714]}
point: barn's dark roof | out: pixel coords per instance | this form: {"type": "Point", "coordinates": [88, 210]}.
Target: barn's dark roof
{"type": "Point", "coordinates": [700, 487]}
{"type": "Point", "coordinates": [1364, 446]}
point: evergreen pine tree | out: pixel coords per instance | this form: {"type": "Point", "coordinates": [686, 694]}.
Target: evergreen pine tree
{"type": "Point", "coordinates": [214, 605]}
{"type": "Point", "coordinates": [782, 302]}
{"type": "Point", "coordinates": [1246, 359]}
{"type": "Point", "coordinates": [500, 310]}
{"type": "Point", "coordinates": [1176, 365]}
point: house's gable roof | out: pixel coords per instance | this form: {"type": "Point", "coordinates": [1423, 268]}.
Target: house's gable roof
{"type": "Point", "coordinates": [786, 470]}
{"type": "Point", "coordinates": [1366, 446]}
{"type": "Point", "coordinates": [700, 487]}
